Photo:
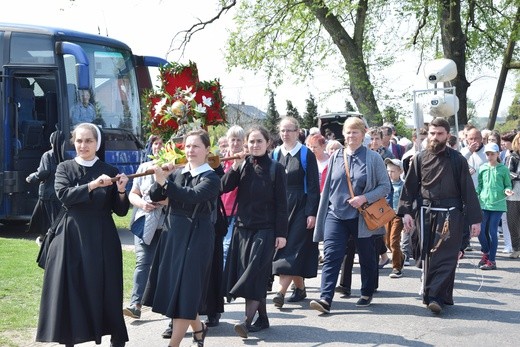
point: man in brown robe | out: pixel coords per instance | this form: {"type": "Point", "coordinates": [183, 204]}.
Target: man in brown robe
{"type": "Point", "coordinates": [438, 192]}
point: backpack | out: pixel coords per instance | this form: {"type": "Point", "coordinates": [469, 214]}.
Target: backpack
{"type": "Point", "coordinates": [303, 160]}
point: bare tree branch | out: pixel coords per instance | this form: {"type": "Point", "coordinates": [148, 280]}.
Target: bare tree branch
{"type": "Point", "coordinates": [201, 25]}
{"type": "Point", "coordinates": [422, 22]}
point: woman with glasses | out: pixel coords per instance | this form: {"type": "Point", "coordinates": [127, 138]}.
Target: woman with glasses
{"type": "Point", "coordinates": [299, 258]}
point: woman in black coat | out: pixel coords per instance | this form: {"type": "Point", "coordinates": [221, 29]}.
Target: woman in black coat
{"type": "Point", "coordinates": [260, 228]}
{"type": "Point", "coordinates": [48, 205]}
{"type": "Point", "coordinates": [181, 267]}
{"type": "Point", "coordinates": [82, 291]}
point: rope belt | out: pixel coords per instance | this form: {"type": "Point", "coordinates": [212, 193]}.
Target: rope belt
{"type": "Point", "coordinates": [445, 233]}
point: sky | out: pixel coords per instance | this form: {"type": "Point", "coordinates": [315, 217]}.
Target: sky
{"type": "Point", "coordinates": [148, 27]}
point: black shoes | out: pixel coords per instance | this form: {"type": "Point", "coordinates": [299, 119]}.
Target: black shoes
{"type": "Point", "coordinates": [167, 334]}
{"type": "Point", "coordinates": [199, 342]}
{"type": "Point", "coordinates": [279, 300]}
{"type": "Point", "coordinates": [213, 320]}
{"type": "Point", "coordinates": [320, 305]}
{"type": "Point", "coordinates": [298, 295]}
{"type": "Point", "coordinates": [364, 302]}
{"type": "Point", "coordinates": [261, 323]}
{"type": "Point", "coordinates": [343, 290]}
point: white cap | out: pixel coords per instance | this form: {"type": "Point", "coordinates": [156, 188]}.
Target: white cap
{"type": "Point", "coordinates": [396, 162]}
{"type": "Point", "coordinates": [491, 147]}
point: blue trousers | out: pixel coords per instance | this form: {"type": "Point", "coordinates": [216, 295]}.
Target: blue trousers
{"type": "Point", "coordinates": [144, 255]}
{"type": "Point", "coordinates": [488, 236]}
{"type": "Point", "coordinates": [229, 235]}
{"type": "Point", "coordinates": [337, 232]}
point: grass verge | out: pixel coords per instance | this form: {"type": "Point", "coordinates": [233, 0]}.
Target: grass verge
{"type": "Point", "coordinates": [21, 283]}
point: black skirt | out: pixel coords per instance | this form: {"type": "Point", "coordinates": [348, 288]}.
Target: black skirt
{"type": "Point", "coordinates": [249, 263]}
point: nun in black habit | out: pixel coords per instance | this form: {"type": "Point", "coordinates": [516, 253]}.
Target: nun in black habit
{"type": "Point", "coordinates": [82, 291]}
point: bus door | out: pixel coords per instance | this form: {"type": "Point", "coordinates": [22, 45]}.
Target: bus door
{"type": "Point", "coordinates": [31, 115]}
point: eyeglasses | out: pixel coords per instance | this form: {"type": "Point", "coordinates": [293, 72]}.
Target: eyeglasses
{"type": "Point", "coordinates": [288, 130]}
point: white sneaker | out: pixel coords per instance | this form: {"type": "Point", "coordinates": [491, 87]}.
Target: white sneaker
{"type": "Point", "coordinates": [406, 261]}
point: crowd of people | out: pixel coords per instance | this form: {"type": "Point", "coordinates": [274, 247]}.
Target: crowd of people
{"type": "Point", "coordinates": [207, 234]}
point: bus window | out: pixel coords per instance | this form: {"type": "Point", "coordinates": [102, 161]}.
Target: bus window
{"type": "Point", "coordinates": [35, 110]}
{"type": "Point", "coordinates": [114, 96]}
{"type": "Point", "coordinates": [31, 49]}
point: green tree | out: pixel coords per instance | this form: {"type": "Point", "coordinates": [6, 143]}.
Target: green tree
{"type": "Point", "coordinates": [473, 33]}
{"type": "Point", "coordinates": [295, 37]}
{"type": "Point", "coordinates": [390, 115]}
{"type": "Point", "coordinates": [311, 113]}
{"type": "Point", "coordinates": [273, 117]}
{"type": "Point", "coordinates": [292, 111]}
{"type": "Point", "coordinates": [513, 112]}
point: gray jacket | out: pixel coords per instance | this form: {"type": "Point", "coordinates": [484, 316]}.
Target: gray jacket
{"type": "Point", "coordinates": [378, 186]}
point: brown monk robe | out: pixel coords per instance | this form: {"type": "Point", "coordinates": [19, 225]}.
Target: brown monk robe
{"type": "Point", "coordinates": [439, 177]}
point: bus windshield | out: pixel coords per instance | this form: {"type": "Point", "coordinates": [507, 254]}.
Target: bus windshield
{"type": "Point", "coordinates": [113, 100]}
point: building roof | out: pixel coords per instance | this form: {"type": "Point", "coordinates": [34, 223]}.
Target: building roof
{"type": "Point", "coordinates": [245, 110]}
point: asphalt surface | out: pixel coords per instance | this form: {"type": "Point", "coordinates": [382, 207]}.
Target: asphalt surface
{"type": "Point", "coordinates": [486, 312]}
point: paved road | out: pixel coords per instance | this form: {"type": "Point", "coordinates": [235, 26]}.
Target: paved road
{"type": "Point", "coordinates": [486, 312]}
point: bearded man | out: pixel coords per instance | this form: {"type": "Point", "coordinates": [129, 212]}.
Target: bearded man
{"type": "Point", "coordinates": [437, 192]}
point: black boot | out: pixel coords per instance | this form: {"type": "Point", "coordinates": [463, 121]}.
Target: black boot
{"type": "Point", "coordinates": [298, 295]}
{"type": "Point", "coordinates": [213, 320]}
{"type": "Point", "coordinates": [261, 323]}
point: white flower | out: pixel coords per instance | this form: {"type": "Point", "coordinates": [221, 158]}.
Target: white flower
{"type": "Point", "coordinates": [187, 94]}
{"type": "Point", "coordinates": [196, 124]}
{"type": "Point", "coordinates": [200, 109]}
{"type": "Point", "coordinates": [207, 101]}
{"type": "Point", "coordinates": [159, 106]}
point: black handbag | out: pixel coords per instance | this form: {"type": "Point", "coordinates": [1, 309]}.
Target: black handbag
{"type": "Point", "coordinates": [41, 258]}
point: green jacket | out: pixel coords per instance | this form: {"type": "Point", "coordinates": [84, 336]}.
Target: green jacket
{"type": "Point", "coordinates": [492, 181]}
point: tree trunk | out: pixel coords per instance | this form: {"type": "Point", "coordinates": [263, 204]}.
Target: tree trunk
{"type": "Point", "coordinates": [454, 47]}
{"type": "Point", "coordinates": [506, 65]}
{"type": "Point", "coordinates": [351, 49]}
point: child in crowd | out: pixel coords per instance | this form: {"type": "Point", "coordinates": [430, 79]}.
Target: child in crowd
{"type": "Point", "coordinates": [494, 185]}
{"type": "Point", "coordinates": [394, 167]}
{"type": "Point", "coordinates": [332, 145]}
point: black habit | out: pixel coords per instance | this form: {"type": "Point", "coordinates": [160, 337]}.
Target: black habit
{"type": "Point", "coordinates": [442, 181]}
{"type": "Point", "coordinates": [82, 291]}
{"type": "Point", "coordinates": [180, 270]}
{"type": "Point", "coordinates": [261, 217]}
{"type": "Point", "coordinates": [300, 255]}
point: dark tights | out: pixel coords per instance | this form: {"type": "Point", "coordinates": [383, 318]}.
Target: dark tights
{"type": "Point", "coordinates": [252, 306]}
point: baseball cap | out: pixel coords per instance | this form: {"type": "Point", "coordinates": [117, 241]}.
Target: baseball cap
{"type": "Point", "coordinates": [491, 147]}
{"type": "Point", "coordinates": [396, 162]}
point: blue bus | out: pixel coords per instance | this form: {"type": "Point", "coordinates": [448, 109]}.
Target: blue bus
{"type": "Point", "coordinates": [46, 72]}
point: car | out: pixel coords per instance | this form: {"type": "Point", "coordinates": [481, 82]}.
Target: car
{"type": "Point", "coordinates": [331, 124]}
